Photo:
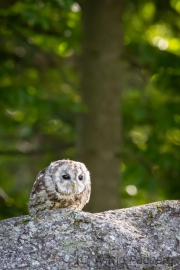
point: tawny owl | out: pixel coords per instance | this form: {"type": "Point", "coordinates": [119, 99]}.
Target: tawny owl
{"type": "Point", "coordinates": [64, 184]}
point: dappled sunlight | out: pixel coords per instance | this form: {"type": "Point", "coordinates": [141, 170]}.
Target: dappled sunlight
{"type": "Point", "coordinates": [16, 115]}
{"type": "Point", "coordinates": [63, 50]}
{"type": "Point", "coordinates": [140, 135]}
{"type": "Point", "coordinates": [148, 10]}
{"type": "Point", "coordinates": [174, 45]}
{"type": "Point", "coordinates": [175, 4]}
{"type": "Point", "coordinates": [173, 136]}
{"type": "Point", "coordinates": [161, 43]}
{"type": "Point", "coordinates": [131, 190]}
{"type": "Point", "coordinates": [161, 36]}
{"type": "Point", "coordinates": [75, 7]}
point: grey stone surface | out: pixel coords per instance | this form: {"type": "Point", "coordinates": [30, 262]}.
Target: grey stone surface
{"type": "Point", "coordinates": [145, 237]}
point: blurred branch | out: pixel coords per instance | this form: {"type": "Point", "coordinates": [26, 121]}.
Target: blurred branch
{"type": "Point", "coordinates": [3, 194]}
{"type": "Point", "coordinates": [4, 55]}
{"type": "Point", "coordinates": [18, 153]}
{"type": "Point", "coordinates": [7, 3]}
{"type": "Point", "coordinates": [24, 26]}
{"type": "Point", "coordinates": [35, 152]}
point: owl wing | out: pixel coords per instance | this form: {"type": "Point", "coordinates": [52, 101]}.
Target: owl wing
{"type": "Point", "coordinates": [38, 193]}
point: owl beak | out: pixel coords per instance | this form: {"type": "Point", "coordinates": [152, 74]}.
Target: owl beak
{"type": "Point", "coordinates": [74, 186]}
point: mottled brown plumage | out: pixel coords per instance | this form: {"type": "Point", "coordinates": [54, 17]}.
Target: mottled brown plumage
{"type": "Point", "coordinates": [64, 184]}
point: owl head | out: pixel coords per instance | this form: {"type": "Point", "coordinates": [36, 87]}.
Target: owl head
{"type": "Point", "coordinates": [69, 177]}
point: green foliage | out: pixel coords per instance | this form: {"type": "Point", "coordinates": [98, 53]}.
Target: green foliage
{"type": "Point", "coordinates": [39, 101]}
{"type": "Point", "coordinates": [151, 143]}
{"type": "Point", "coordinates": [38, 97]}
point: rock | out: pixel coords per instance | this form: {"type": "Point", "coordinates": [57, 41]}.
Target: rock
{"type": "Point", "coordinates": [145, 237]}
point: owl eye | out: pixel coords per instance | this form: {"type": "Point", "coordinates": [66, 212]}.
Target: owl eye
{"type": "Point", "coordinates": [80, 177]}
{"type": "Point", "coordinates": [66, 177]}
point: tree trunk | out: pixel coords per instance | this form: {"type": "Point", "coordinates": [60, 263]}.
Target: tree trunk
{"type": "Point", "coordinates": [101, 84]}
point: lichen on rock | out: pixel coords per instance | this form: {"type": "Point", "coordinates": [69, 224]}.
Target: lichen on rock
{"type": "Point", "coordinates": [143, 237]}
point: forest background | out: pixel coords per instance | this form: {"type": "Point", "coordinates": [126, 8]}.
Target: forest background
{"type": "Point", "coordinates": [47, 78]}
